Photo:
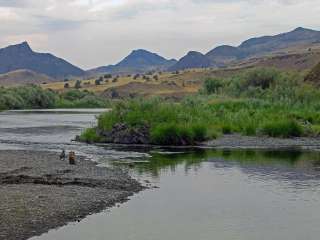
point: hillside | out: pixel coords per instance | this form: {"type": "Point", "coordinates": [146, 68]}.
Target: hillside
{"type": "Point", "coordinates": [138, 61]}
{"type": "Point", "coordinates": [191, 60]}
{"type": "Point", "coordinates": [22, 76]}
{"type": "Point", "coordinates": [314, 75]}
{"type": "Point", "coordinates": [258, 47]}
{"type": "Point", "coordinates": [295, 61]}
{"type": "Point", "coordinates": [21, 56]}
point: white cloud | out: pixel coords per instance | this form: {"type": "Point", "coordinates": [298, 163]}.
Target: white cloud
{"type": "Point", "coordinates": [97, 32]}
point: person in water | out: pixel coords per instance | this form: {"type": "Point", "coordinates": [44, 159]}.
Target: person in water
{"type": "Point", "coordinates": [72, 158]}
{"type": "Point", "coordinates": [63, 155]}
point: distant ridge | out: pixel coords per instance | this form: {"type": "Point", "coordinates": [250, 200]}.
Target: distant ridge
{"type": "Point", "coordinates": [137, 61]}
{"type": "Point", "coordinates": [21, 56]}
{"type": "Point", "coordinates": [254, 47]}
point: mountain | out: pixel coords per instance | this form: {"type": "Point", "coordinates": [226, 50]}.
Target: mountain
{"type": "Point", "coordinates": [137, 61]}
{"type": "Point", "coordinates": [191, 60]}
{"type": "Point", "coordinates": [258, 47]}
{"type": "Point", "coordinates": [22, 76]}
{"type": "Point", "coordinates": [21, 56]}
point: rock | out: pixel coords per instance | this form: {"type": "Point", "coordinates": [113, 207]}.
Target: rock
{"type": "Point", "coordinates": [123, 134]}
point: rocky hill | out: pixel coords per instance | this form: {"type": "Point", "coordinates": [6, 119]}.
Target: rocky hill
{"type": "Point", "coordinates": [21, 77]}
{"type": "Point", "coordinates": [191, 60]}
{"type": "Point", "coordinates": [136, 62]}
{"type": "Point", "coordinates": [21, 56]}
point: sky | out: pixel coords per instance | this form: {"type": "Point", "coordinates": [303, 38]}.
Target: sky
{"type": "Point", "coordinates": [91, 33]}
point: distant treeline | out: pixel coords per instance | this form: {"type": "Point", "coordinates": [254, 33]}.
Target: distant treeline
{"type": "Point", "coordinates": [34, 97]}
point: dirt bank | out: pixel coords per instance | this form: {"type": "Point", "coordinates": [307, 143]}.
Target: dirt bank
{"type": "Point", "coordinates": [39, 192]}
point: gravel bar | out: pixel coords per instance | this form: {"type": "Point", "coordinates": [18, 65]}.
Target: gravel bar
{"type": "Point", "coordinates": [39, 192]}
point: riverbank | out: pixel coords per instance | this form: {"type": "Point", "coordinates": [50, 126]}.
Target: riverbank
{"type": "Point", "coordinates": [38, 192]}
{"type": "Point", "coordinates": [237, 141]}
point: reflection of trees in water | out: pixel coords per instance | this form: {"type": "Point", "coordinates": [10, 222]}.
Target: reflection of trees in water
{"type": "Point", "coordinates": [287, 165]}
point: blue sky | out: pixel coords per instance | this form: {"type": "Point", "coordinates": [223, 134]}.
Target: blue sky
{"type": "Point", "coordinates": [91, 33]}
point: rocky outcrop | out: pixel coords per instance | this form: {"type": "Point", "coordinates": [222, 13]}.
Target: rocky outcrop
{"type": "Point", "coordinates": [123, 134]}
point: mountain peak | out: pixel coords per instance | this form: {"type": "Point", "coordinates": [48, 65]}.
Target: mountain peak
{"type": "Point", "coordinates": [301, 29]}
{"type": "Point", "coordinates": [24, 46]}
{"type": "Point", "coordinates": [21, 56]}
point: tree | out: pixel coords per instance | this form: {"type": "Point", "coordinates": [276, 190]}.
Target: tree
{"type": "Point", "coordinates": [66, 85]}
{"type": "Point", "coordinates": [136, 76]}
{"type": "Point", "coordinates": [155, 77]}
{"type": "Point", "coordinates": [108, 76]}
{"type": "Point", "coordinates": [98, 81]}
{"type": "Point", "coordinates": [78, 84]}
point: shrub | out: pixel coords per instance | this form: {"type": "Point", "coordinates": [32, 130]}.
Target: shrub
{"type": "Point", "coordinates": [212, 86]}
{"type": "Point", "coordinates": [260, 77]}
{"type": "Point", "coordinates": [107, 76]}
{"type": "Point", "coordinates": [77, 84]}
{"type": "Point", "coordinates": [282, 128]}
{"type": "Point", "coordinates": [90, 136]}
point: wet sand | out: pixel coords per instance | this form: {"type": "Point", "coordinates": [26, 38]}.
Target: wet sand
{"type": "Point", "coordinates": [38, 192]}
{"type": "Point", "coordinates": [237, 141]}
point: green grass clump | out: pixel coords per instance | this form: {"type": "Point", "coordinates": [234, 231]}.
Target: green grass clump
{"type": "Point", "coordinates": [282, 128]}
{"type": "Point", "coordinates": [175, 134]}
{"type": "Point", "coordinates": [90, 135]}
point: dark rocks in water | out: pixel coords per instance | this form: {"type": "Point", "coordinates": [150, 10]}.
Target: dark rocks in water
{"type": "Point", "coordinates": [123, 134]}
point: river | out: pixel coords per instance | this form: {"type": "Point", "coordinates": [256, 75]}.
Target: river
{"type": "Point", "coordinates": [202, 194]}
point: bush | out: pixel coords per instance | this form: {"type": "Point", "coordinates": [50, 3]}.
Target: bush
{"type": "Point", "coordinates": [90, 136]}
{"type": "Point", "coordinates": [108, 76]}
{"type": "Point", "coordinates": [282, 128]}
{"type": "Point", "coordinates": [77, 84]}
{"type": "Point", "coordinates": [212, 86]}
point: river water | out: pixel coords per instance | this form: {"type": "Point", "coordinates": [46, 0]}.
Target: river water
{"type": "Point", "coordinates": [202, 194]}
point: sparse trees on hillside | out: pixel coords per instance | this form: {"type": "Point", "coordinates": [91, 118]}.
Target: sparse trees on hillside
{"type": "Point", "coordinates": [107, 76]}
{"type": "Point", "coordinates": [78, 84]}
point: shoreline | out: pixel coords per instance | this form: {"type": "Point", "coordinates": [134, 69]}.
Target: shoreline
{"type": "Point", "coordinates": [238, 141]}
{"type": "Point", "coordinates": [38, 192]}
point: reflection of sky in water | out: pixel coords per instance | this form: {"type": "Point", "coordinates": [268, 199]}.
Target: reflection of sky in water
{"type": "Point", "coordinates": [206, 195]}
{"type": "Point", "coordinates": [213, 194]}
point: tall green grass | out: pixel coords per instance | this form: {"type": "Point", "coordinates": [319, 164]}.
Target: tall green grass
{"type": "Point", "coordinates": [257, 102]}
{"type": "Point", "coordinates": [34, 97]}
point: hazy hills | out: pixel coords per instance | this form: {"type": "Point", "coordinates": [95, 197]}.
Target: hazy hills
{"type": "Point", "coordinates": [277, 50]}
{"type": "Point", "coordinates": [137, 61]}
{"type": "Point", "coordinates": [254, 47]}
{"type": "Point", "coordinates": [21, 56]}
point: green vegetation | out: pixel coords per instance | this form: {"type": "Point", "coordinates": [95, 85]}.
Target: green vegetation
{"type": "Point", "coordinates": [255, 102]}
{"type": "Point", "coordinates": [34, 97]}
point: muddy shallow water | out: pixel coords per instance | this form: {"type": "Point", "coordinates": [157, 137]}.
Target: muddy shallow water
{"type": "Point", "coordinates": [202, 194]}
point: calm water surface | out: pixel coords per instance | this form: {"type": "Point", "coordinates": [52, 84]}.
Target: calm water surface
{"type": "Point", "coordinates": [203, 194]}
